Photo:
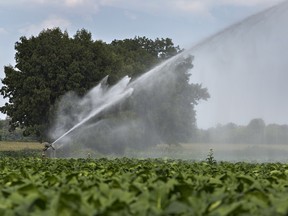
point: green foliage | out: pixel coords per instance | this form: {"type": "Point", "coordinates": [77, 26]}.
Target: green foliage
{"type": "Point", "coordinates": [53, 63]}
{"type": "Point", "coordinates": [15, 135]}
{"type": "Point", "coordinates": [140, 54]}
{"type": "Point", "coordinates": [48, 66]}
{"type": "Point", "coordinates": [210, 158]}
{"type": "Point", "coordinates": [25, 153]}
{"type": "Point", "coordinates": [32, 186]}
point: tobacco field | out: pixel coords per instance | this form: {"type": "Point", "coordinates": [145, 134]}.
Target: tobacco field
{"type": "Point", "coordinates": [35, 186]}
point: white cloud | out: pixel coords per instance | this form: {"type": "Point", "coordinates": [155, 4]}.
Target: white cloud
{"type": "Point", "coordinates": [159, 6]}
{"type": "Point", "coordinates": [73, 3]}
{"type": "Point", "coordinates": [130, 15]}
{"type": "Point", "coordinates": [3, 31]}
{"type": "Point", "coordinates": [250, 2]}
{"type": "Point", "coordinates": [51, 22]}
{"type": "Point", "coordinates": [89, 5]}
{"type": "Point", "coordinates": [182, 6]}
{"type": "Point", "coordinates": [69, 3]}
{"type": "Point", "coordinates": [190, 6]}
{"type": "Point", "coordinates": [18, 2]}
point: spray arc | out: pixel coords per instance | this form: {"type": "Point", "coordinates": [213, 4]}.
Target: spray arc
{"type": "Point", "coordinates": [100, 99]}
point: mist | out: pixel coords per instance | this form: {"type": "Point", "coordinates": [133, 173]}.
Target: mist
{"type": "Point", "coordinates": [244, 68]}
{"type": "Point", "coordinates": [131, 114]}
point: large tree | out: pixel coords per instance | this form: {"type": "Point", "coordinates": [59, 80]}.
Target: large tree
{"type": "Point", "coordinates": [53, 63]}
{"type": "Point", "coordinates": [48, 66]}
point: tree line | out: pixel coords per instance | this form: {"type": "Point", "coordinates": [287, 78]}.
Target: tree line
{"type": "Point", "coordinates": [255, 132]}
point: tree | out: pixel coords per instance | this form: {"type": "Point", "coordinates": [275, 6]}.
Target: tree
{"type": "Point", "coordinates": [171, 102]}
{"type": "Point", "coordinates": [141, 54]}
{"type": "Point", "coordinates": [53, 63]}
{"type": "Point", "coordinates": [48, 66]}
{"type": "Point", "coordinates": [255, 131]}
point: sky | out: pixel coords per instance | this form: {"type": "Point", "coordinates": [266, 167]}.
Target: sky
{"type": "Point", "coordinates": [184, 21]}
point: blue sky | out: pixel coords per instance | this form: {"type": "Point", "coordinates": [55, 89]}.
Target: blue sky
{"type": "Point", "coordinates": [184, 21]}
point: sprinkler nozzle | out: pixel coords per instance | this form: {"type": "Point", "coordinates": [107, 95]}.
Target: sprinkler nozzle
{"type": "Point", "coordinates": [47, 146]}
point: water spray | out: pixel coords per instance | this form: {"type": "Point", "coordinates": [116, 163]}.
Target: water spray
{"type": "Point", "coordinates": [114, 99]}
{"type": "Point", "coordinates": [101, 98]}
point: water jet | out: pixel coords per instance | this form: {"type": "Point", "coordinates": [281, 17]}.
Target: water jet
{"type": "Point", "coordinates": [235, 65]}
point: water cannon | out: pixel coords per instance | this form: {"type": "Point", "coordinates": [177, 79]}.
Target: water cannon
{"type": "Point", "coordinates": [47, 146]}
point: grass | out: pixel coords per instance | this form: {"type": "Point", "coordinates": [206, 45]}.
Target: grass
{"type": "Point", "coordinates": [197, 152]}
{"type": "Point", "coordinates": [18, 146]}
{"type": "Point", "coordinates": [20, 149]}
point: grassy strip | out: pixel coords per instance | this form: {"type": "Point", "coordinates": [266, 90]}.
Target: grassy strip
{"type": "Point", "coordinates": [18, 146]}
{"type": "Point", "coordinates": [20, 149]}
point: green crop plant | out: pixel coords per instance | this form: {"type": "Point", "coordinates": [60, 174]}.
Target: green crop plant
{"type": "Point", "coordinates": [210, 158]}
{"type": "Point", "coordinates": [123, 186]}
